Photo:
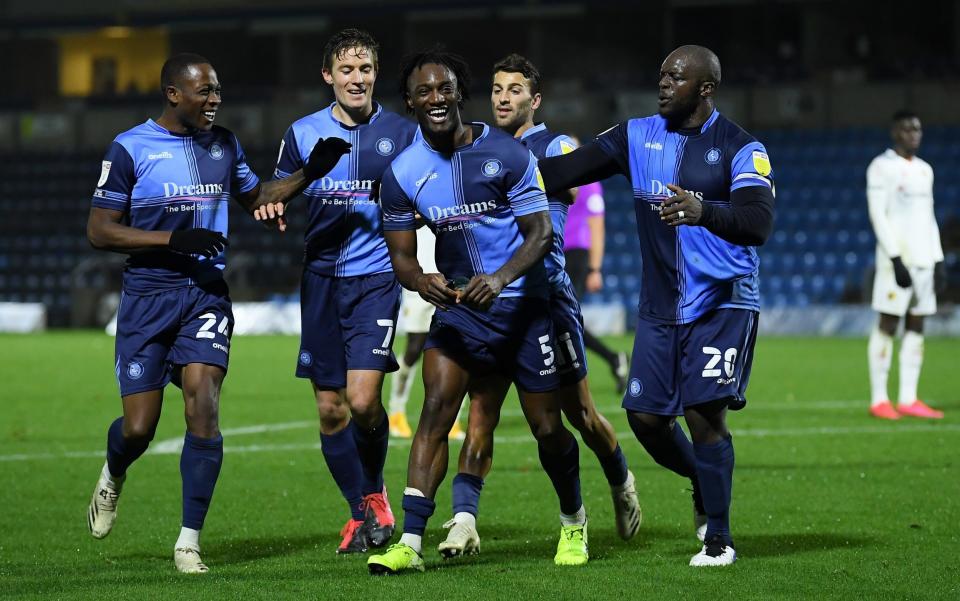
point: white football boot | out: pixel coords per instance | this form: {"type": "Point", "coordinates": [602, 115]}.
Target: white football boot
{"type": "Point", "coordinates": [102, 512]}
{"type": "Point", "coordinates": [626, 507]}
{"type": "Point", "coordinates": [461, 540]}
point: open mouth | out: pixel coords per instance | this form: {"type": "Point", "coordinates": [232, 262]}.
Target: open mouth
{"type": "Point", "coordinates": [437, 114]}
{"type": "Point", "coordinates": [210, 115]}
{"type": "Point", "coordinates": [357, 93]}
{"type": "Point", "coordinates": [503, 112]}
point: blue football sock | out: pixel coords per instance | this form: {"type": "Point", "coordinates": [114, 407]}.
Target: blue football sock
{"type": "Point", "coordinates": [340, 453]}
{"type": "Point", "coordinates": [715, 474]}
{"type": "Point", "coordinates": [121, 452]}
{"type": "Point", "coordinates": [466, 493]}
{"type": "Point", "coordinates": [200, 463]}
{"type": "Point", "coordinates": [372, 450]}
{"type": "Point", "coordinates": [564, 471]}
{"type": "Point", "coordinates": [416, 512]}
{"type": "Point", "coordinates": [615, 467]}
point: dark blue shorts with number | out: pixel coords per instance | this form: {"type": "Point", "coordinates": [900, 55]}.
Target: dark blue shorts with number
{"type": "Point", "coordinates": [158, 331]}
{"type": "Point", "coordinates": [514, 338]}
{"type": "Point", "coordinates": [346, 323]}
{"type": "Point", "coordinates": [679, 366]}
{"type": "Point", "coordinates": [568, 328]}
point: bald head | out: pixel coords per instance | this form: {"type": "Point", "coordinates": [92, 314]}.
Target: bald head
{"type": "Point", "coordinates": [701, 63]}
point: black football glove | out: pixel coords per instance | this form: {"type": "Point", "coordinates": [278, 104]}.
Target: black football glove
{"type": "Point", "coordinates": [198, 241]}
{"type": "Point", "coordinates": [901, 273]}
{"type": "Point", "coordinates": [325, 155]}
{"type": "Point", "coordinates": [940, 277]}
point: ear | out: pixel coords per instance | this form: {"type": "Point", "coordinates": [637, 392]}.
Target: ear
{"type": "Point", "coordinates": [172, 94]}
{"type": "Point", "coordinates": [535, 102]}
{"type": "Point", "coordinates": [327, 75]}
{"type": "Point", "coordinates": [408, 101]}
{"type": "Point", "coordinates": [707, 88]}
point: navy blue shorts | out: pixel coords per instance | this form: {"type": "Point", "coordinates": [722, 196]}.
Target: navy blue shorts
{"type": "Point", "coordinates": [513, 338]}
{"type": "Point", "coordinates": [568, 328]}
{"type": "Point", "coordinates": [346, 323]}
{"type": "Point", "coordinates": [158, 331]}
{"type": "Point", "coordinates": [679, 366]}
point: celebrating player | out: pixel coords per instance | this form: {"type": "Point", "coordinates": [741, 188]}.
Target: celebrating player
{"type": "Point", "coordinates": [349, 297]}
{"type": "Point", "coordinates": [704, 199]}
{"type": "Point", "coordinates": [162, 198]}
{"type": "Point", "coordinates": [910, 269]}
{"type": "Point", "coordinates": [477, 189]}
{"type": "Point", "coordinates": [515, 97]}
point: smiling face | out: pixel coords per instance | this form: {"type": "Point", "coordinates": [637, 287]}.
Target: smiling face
{"type": "Point", "coordinates": [195, 97]}
{"type": "Point", "coordinates": [433, 96]}
{"type": "Point", "coordinates": [352, 75]}
{"type": "Point", "coordinates": [512, 101]}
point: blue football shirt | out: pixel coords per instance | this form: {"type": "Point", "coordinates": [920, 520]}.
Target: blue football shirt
{"type": "Point", "coordinates": [544, 143]}
{"type": "Point", "coordinates": [688, 271]}
{"type": "Point", "coordinates": [344, 236]}
{"type": "Point", "coordinates": [164, 181]}
{"type": "Point", "coordinates": [470, 199]}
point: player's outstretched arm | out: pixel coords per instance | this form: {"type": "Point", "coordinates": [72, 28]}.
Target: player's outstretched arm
{"type": "Point", "coordinates": [267, 201]}
{"type": "Point", "coordinates": [748, 221]}
{"type": "Point", "coordinates": [432, 287]}
{"type": "Point", "coordinates": [105, 231]}
{"type": "Point", "coordinates": [585, 165]}
{"type": "Point", "coordinates": [537, 231]}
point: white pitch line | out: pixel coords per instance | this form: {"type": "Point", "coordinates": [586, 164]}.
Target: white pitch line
{"type": "Point", "coordinates": [521, 439]}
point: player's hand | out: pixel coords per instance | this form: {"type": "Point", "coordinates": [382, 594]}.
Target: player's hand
{"type": "Point", "coordinates": [900, 273]}
{"type": "Point", "coordinates": [594, 281]}
{"type": "Point", "coordinates": [325, 155]}
{"type": "Point", "coordinates": [198, 241]}
{"type": "Point", "coordinates": [681, 209]}
{"type": "Point", "coordinates": [940, 277]}
{"type": "Point", "coordinates": [481, 290]}
{"type": "Point", "coordinates": [271, 214]}
{"type": "Point", "coordinates": [432, 288]}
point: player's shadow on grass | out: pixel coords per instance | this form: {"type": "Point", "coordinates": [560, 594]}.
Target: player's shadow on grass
{"type": "Point", "coordinates": [234, 551]}
{"type": "Point", "coordinates": [780, 545]}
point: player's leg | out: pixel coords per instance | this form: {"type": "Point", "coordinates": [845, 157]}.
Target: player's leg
{"type": "Point", "coordinates": [716, 356]}
{"type": "Point", "coordinates": [890, 301]}
{"type": "Point", "coordinates": [476, 457]}
{"type": "Point", "coordinates": [560, 457]}
{"type": "Point", "coordinates": [145, 328]}
{"type": "Point", "coordinates": [445, 384]}
{"type": "Point", "coordinates": [200, 459]}
{"type": "Point", "coordinates": [923, 303]}
{"type": "Point", "coordinates": [402, 382]}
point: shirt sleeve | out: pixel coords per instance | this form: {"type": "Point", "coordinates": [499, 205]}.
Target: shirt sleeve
{"type": "Point", "coordinates": [244, 179]}
{"type": "Point", "coordinates": [878, 197]}
{"type": "Point", "coordinates": [288, 159]}
{"type": "Point", "coordinates": [398, 212]}
{"type": "Point", "coordinates": [561, 145]}
{"type": "Point", "coordinates": [117, 179]}
{"type": "Point", "coordinates": [616, 143]}
{"type": "Point", "coordinates": [751, 167]}
{"type": "Point", "coordinates": [526, 196]}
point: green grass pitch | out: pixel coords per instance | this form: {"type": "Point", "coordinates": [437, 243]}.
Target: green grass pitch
{"type": "Point", "coordinates": [828, 503]}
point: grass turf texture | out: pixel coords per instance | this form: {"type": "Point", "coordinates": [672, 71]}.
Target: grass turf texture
{"type": "Point", "coordinates": [828, 503]}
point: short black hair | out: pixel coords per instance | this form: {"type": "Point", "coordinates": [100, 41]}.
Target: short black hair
{"type": "Point", "coordinates": [514, 63]}
{"type": "Point", "coordinates": [902, 114]}
{"type": "Point", "coordinates": [176, 66]}
{"type": "Point", "coordinates": [346, 39]}
{"type": "Point", "coordinates": [438, 55]}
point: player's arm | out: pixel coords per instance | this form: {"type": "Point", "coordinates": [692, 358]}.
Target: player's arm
{"type": "Point", "coordinates": [400, 233]}
{"type": "Point", "coordinates": [748, 221]}
{"type": "Point", "coordinates": [267, 200]}
{"type": "Point", "coordinates": [879, 194]}
{"type": "Point", "coordinates": [594, 161]}
{"type": "Point", "coordinates": [106, 231]}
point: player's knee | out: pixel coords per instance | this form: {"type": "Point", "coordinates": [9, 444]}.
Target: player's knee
{"type": "Point", "coordinates": [548, 432]}
{"type": "Point", "coordinates": [366, 409]}
{"type": "Point", "coordinates": [333, 415]}
{"type": "Point", "coordinates": [142, 430]}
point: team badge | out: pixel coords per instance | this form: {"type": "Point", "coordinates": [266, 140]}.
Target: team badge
{"type": "Point", "coordinates": [491, 167]}
{"type": "Point", "coordinates": [761, 162]}
{"type": "Point", "coordinates": [385, 147]}
{"type": "Point", "coordinates": [713, 156]}
{"type": "Point", "coordinates": [216, 151]}
{"type": "Point", "coordinates": [104, 173]}
{"type": "Point", "coordinates": [135, 370]}
{"type": "Point", "coordinates": [306, 359]}
{"type": "Point", "coordinates": [636, 388]}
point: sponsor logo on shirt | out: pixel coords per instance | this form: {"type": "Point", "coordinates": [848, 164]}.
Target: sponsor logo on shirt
{"type": "Point", "coordinates": [426, 178]}
{"type": "Point", "coordinates": [160, 155]}
{"type": "Point", "coordinates": [171, 189]}
{"type": "Point", "coordinates": [653, 145]}
{"type": "Point", "coordinates": [328, 184]}
{"type": "Point", "coordinates": [474, 208]}
{"type": "Point", "coordinates": [659, 188]}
